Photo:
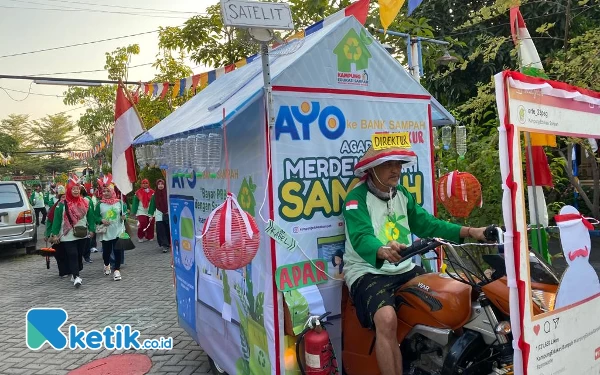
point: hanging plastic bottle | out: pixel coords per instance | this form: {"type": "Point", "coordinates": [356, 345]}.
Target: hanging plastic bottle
{"type": "Point", "coordinates": [185, 152]}
{"type": "Point", "coordinates": [140, 156]}
{"type": "Point", "coordinates": [446, 137]}
{"type": "Point", "coordinates": [178, 150]}
{"type": "Point", "coordinates": [436, 138]}
{"type": "Point", "coordinates": [214, 151]}
{"type": "Point", "coordinates": [200, 152]}
{"type": "Point", "coordinates": [461, 141]}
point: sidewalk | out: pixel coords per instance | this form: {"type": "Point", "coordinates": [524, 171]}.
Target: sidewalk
{"type": "Point", "coordinates": [144, 298]}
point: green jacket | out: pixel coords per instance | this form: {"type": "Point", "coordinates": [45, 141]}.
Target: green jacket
{"type": "Point", "coordinates": [48, 231]}
{"type": "Point", "coordinates": [33, 195]}
{"type": "Point", "coordinates": [58, 216]}
{"type": "Point", "coordinates": [136, 203]}
{"type": "Point", "coordinates": [370, 225]}
{"type": "Point", "coordinates": [98, 215]}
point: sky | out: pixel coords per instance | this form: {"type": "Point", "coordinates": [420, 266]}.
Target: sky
{"type": "Point", "coordinates": [25, 27]}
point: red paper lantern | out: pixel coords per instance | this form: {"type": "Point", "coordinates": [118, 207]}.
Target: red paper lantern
{"type": "Point", "coordinates": [230, 236]}
{"type": "Point", "coordinates": [459, 193]}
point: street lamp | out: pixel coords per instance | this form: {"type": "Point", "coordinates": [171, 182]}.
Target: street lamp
{"type": "Point", "coordinates": [446, 59]}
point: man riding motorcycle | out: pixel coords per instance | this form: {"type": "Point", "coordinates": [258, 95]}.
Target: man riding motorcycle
{"type": "Point", "coordinates": [380, 217]}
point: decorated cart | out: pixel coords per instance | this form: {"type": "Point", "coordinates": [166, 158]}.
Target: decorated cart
{"type": "Point", "coordinates": [256, 195]}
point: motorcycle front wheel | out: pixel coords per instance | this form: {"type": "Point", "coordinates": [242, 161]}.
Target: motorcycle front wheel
{"type": "Point", "coordinates": [467, 356]}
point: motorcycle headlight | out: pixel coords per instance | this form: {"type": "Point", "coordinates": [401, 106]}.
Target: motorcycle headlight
{"type": "Point", "coordinates": [503, 328]}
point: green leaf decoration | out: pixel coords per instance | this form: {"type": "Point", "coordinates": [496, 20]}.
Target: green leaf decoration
{"type": "Point", "coordinates": [226, 289]}
{"type": "Point", "coordinates": [367, 40]}
{"type": "Point", "coordinates": [242, 367]}
{"type": "Point", "coordinates": [258, 309]}
{"type": "Point", "coordinates": [245, 345]}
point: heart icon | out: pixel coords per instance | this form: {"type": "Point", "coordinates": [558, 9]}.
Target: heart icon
{"type": "Point", "coordinates": [536, 329]}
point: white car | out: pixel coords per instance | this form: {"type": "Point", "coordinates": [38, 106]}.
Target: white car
{"type": "Point", "coordinates": [17, 223]}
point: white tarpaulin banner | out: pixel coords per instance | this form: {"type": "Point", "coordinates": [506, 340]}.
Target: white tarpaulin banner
{"type": "Point", "coordinates": [317, 140]}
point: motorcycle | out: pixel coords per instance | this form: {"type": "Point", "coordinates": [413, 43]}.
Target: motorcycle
{"type": "Point", "coordinates": [453, 322]}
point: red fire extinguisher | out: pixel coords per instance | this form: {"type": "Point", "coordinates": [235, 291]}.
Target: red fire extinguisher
{"type": "Point", "coordinates": [319, 357]}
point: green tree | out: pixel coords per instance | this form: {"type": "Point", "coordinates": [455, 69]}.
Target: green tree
{"type": "Point", "coordinates": [53, 132]}
{"type": "Point", "coordinates": [15, 126]}
{"type": "Point", "coordinates": [206, 40]}
{"type": "Point", "coordinates": [8, 145]}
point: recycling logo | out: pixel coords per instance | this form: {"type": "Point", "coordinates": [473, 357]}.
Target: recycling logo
{"type": "Point", "coordinates": [353, 58]}
{"type": "Point", "coordinates": [261, 358]}
{"type": "Point", "coordinates": [352, 49]}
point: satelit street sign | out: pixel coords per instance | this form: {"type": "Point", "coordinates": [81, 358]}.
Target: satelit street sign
{"type": "Point", "coordinates": [254, 14]}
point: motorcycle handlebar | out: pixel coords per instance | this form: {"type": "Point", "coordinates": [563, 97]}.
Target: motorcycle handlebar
{"type": "Point", "coordinates": [424, 245]}
{"type": "Point", "coordinates": [420, 246]}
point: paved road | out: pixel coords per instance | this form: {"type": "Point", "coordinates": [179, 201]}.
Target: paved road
{"type": "Point", "coordinates": [145, 299]}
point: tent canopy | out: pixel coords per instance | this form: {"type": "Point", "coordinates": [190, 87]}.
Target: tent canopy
{"type": "Point", "coordinates": [308, 62]}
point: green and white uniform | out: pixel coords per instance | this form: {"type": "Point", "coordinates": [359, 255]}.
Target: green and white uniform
{"type": "Point", "coordinates": [372, 222]}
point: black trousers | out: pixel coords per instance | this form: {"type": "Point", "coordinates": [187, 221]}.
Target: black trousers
{"type": "Point", "coordinates": [61, 259]}
{"type": "Point", "coordinates": [108, 247]}
{"type": "Point", "coordinates": [163, 233]}
{"type": "Point", "coordinates": [37, 215]}
{"type": "Point", "coordinates": [74, 251]}
{"type": "Point", "coordinates": [89, 243]}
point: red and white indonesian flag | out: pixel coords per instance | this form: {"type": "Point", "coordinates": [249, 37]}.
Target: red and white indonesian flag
{"type": "Point", "coordinates": [127, 127]}
{"type": "Point", "coordinates": [352, 205]}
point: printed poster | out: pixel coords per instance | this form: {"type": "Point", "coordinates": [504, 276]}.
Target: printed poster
{"type": "Point", "coordinates": [182, 237]}
{"type": "Point", "coordinates": [318, 138]}
{"type": "Point", "coordinates": [555, 330]}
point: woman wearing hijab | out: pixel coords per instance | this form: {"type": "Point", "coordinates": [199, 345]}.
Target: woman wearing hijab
{"type": "Point", "coordinates": [110, 212]}
{"type": "Point", "coordinates": [60, 256]}
{"type": "Point", "coordinates": [73, 223]}
{"type": "Point", "coordinates": [161, 216]}
{"type": "Point", "coordinates": [143, 207]}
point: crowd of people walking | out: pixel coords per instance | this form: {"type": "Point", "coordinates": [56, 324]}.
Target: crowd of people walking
{"type": "Point", "coordinates": [77, 220]}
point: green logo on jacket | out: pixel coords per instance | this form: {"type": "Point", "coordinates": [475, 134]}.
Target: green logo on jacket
{"type": "Point", "coordinates": [394, 230]}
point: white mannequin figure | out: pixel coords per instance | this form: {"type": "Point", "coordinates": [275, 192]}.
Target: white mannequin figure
{"type": "Point", "coordinates": [579, 281]}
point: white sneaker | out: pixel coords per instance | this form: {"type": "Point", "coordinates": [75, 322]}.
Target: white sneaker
{"type": "Point", "coordinates": [107, 270]}
{"type": "Point", "coordinates": [151, 239]}
{"type": "Point", "coordinates": [72, 279]}
{"type": "Point", "coordinates": [94, 250]}
{"type": "Point", "coordinates": [117, 275]}
{"type": "Point", "coordinates": [77, 282]}
{"type": "Point", "coordinates": [140, 240]}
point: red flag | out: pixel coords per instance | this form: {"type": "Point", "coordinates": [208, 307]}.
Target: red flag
{"type": "Point", "coordinates": [359, 10]}
{"type": "Point", "coordinates": [541, 169]}
{"type": "Point", "coordinates": [164, 90]}
{"type": "Point", "coordinates": [127, 127]}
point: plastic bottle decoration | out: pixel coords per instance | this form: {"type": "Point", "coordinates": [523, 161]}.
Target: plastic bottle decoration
{"type": "Point", "coordinates": [140, 156]}
{"type": "Point", "coordinates": [447, 136]}
{"type": "Point", "coordinates": [151, 156]}
{"type": "Point", "coordinates": [461, 141]}
{"type": "Point", "coordinates": [200, 152]}
{"type": "Point", "coordinates": [214, 151]}
{"type": "Point", "coordinates": [230, 237]}
{"type": "Point", "coordinates": [166, 155]}
{"type": "Point", "coordinates": [436, 138]}
{"type": "Point", "coordinates": [178, 153]}
{"type": "Point", "coordinates": [188, 152]}
{"type": "Point", "coordinates": [459, 193]}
